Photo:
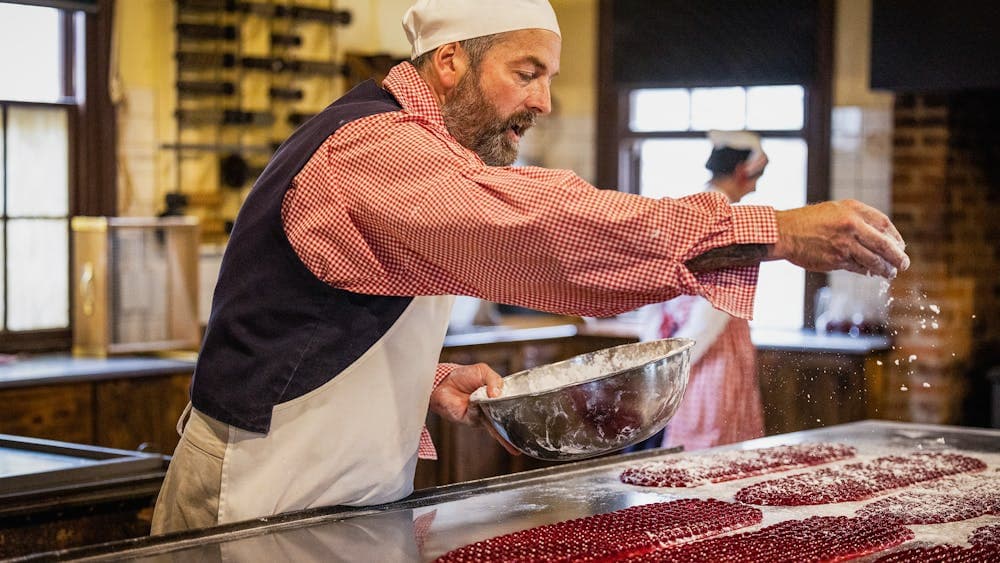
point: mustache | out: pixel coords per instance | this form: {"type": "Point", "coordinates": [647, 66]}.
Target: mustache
{"type": "Point", "coordinates": [522, 121]}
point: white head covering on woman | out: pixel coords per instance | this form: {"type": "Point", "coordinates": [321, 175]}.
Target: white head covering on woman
{"type": "Point", "coordinates": [431, 23]}
{"type": "Point", "coordinates": [730, 148]}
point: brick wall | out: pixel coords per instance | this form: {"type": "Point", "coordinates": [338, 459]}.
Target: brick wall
{"type": "Point", "coordinates": [944, 311]}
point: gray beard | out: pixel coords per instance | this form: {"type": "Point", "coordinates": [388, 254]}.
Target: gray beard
{"type": "Point", "coordinates": [477, 125]}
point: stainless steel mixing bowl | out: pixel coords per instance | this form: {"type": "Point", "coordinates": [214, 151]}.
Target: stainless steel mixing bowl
{"type": "Point", "coordinates": [591, 404]}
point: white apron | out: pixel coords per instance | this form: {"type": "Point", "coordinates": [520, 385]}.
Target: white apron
{"type": "Point", "coordinates": [352, 441]}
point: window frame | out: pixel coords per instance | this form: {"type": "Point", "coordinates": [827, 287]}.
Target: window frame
{"type": "Point", "coordinates": [85, 67]}
{"type": "Point", "coordinates": [614, 137]}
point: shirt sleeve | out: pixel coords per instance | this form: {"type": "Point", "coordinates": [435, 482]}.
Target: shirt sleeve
{"type": "Point", "coordinates": [409, 212]}
{"type": "Point", "coordinates": [425, 447]}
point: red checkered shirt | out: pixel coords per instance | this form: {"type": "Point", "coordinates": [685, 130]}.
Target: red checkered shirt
{"type": "Point", "coordinates": [392, 204]}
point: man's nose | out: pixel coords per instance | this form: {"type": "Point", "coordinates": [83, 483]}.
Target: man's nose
{"type": "Point", "coordinates": [540, 100]}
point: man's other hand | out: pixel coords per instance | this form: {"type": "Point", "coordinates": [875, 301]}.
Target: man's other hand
{"type": "Point", "coordinates": [451, 398]}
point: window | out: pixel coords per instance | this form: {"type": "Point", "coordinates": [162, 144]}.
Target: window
{"type": "Point", "coordinates": [668, 147]}
{"type": "Point", "coordinates": [36, 114]}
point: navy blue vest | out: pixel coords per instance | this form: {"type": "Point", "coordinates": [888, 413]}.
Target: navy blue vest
{"type": "Point", "coordinates": [277, 332]}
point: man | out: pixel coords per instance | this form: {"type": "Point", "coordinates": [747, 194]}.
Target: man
{"type": "Point", "coordinates": [332, 303]}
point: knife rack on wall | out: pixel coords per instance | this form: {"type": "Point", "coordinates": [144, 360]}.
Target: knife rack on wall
{"type": "Point", "coordinates": [247, 73]}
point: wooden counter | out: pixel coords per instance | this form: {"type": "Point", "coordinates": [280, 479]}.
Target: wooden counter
{"type": "Point", "coordinates": [129, 403]}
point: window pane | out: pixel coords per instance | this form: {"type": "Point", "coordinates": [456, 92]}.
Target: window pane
{"type": "Point", "coordinates": [718, 108]}
{"type": "Point", "coordinates": [673, 167]}
{"type": "Point", "coordinates": [37, 274]}
{"type": "Point", "coordinates": [775, 108]}
{"type": "Point", "coordinates": [660, 109]}
{"type": "Point", "coordinates": [37, 162]}
{"type": "Point", "coordinates": [30, 42]}
{"type": "Point", "coordinates": [783, 184]}
{"type": "Point", "coordinates": [780, 299]}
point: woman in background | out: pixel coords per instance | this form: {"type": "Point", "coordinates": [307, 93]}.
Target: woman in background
{"type": "Point", "coordinates": [722, 403]}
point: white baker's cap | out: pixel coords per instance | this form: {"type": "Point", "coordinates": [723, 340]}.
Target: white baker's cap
{"type": "Point", "coordinates": [431, 23]}
{"type": "Point", "coordinates": [740, 140]}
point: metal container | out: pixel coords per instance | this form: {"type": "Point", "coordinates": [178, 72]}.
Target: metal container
{"type": "Point", "coordinates": [591, 404]}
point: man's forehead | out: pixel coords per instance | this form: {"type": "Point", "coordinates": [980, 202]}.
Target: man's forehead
{"type": "Point", "coordinates": [535, 47]}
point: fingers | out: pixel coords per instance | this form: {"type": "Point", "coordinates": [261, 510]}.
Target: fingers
{"type": "Point", "coordinates": [489, 378]}
{"type": "Point", "coordinates": [494, 384]}
{"type": "Point", "coordinates": [880, 246]}
{"type": "Point", "coordinates": [862, 261]}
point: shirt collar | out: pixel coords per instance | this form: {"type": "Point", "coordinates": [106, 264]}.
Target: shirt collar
{"type": "Point", "coordinates": [413, 93]}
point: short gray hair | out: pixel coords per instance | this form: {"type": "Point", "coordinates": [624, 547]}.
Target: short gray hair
{"type": "Point", "coordinates": [476, 48]}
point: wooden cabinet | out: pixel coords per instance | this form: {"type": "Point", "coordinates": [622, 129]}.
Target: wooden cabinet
{"type": "Point", "coordinates": [802, 390]}
{"type": "Point", "coordinates": [134, 413]}
{"type": "Point", "coordinates": [140, 413]}
{"type": "Point", "coordinates": [62, 412]}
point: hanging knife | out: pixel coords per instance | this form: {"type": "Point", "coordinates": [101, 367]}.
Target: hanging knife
{"type": "Point", "coordinates": [338, 17]}
{"type": "Point", "coordinates": [196, 88]}
{"type": "Point", "coordinates": [207, 31]}
{"type": "Point", "coordinates": [223, 117]}
{"type": "Point", "coordinates": [277, 64]}
{"type": "Point", "coordinates": [226, 6]}
{"type": "Point", "coordinates": [285, 40]}
{"type": "Point", "coordinates": [285, 93]}
{"type": "Point", "coordinates": [201, 60]}
{"type": "Point", "coordinates": [295, 118]}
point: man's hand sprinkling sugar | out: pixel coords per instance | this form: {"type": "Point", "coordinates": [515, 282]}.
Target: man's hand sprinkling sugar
{"type": "Point", "coordinates": [833, 235]}
{"type": "Point", "coordinates": [840, 235]}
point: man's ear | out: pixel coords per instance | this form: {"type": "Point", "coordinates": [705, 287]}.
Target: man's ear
{"type": "Point", "coordinates": [450, 64]}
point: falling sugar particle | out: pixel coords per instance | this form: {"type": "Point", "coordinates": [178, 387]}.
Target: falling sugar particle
{"type": "Point", "coordinates": [934, 325]}
{"type": "Point", "coordinates": [927, 385]}
{"type": "Point", "coordinates": [878, 362]}
{"type": "Point", "coordinates": [896, 362]}
{"type": "Point", "coordinates": [817, 420]}
{"type": "Point", "coordinates": [904, 388]}
{"type": "Point", "coordinates": [912, 357]}
{"type": "Point", "coordinates": [935, 308]}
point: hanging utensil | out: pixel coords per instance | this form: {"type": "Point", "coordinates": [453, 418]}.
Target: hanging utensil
{"type": "Point", "coordinates": [279, 64]}
{"type": "Point", "coordinates": [285, 40]}
{"type": "Point", "coordinates": [197, 117]}
{"type": "Point", "coordinates": [292, 94]}
{"type": "Point", "coordinates": [335, 17]}
{"type": "Point", "coordinates": [233, 171]}
{"type": "Point", "coordinates": [207, 31]}
{"type": "Point", "coordinates": [197, 88]}
{"type": "Point", "coordinates": [197, 60]}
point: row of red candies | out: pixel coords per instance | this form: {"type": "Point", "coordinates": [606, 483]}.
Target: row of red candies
{"type": "Point", "coordinates": [856, 481]}
{"type": "Point", "coordinates": [635, 529]}
{"type": "Point", "coordinates": [985, 548]}
{"type": "Point", "coordinates": [835, 537]}
{"type": "Point", "coordinates": [734, 465]}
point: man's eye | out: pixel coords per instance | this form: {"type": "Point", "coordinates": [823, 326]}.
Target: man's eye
{"type": "Point", "coordinates": [526, 76]}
